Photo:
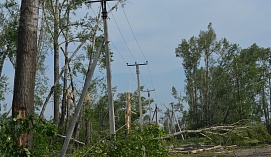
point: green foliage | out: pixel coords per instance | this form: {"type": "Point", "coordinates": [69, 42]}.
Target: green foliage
{"type": "Point", "coordinates": [244, 133]}
{"type": "Point", "coordinates": [9, 17]}
{"type": "Point", "coordinates": [224, 83]}
{"type": "Point", "coordinates": [136, 143]}
{"type": "Point", "coordinates": [12, 128]}
{"type": "Point", "coordinates": [250, 134]}
{"type": "Point", "coordinates": [44, 132]}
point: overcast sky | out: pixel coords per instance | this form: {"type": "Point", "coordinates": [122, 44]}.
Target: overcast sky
{"type": "Point", "coordinates": [159, 26]}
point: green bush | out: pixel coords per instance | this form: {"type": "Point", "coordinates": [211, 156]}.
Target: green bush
{"type": "Point", "coordinates": [137, 143]}
{"type": "Point", "coordinates": [12, 128]}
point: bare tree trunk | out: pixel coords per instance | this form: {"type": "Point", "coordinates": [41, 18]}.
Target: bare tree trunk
{"type": "Point", "coordinates": [77, 130]}
{"type": "Point", "coordinates": [269, 80]}
{"type": "Point", "coordinates": [68, 110]}
{"type": "Point", "coordinates": [41, 33]}
{"type": "Point", "coordinates": [56, 63]}
{"type": "Point", "coordinates": [128, 114]}
{"type": "Point", "coordinates": [207, 94]}
{"type": "Point", "coordinates": [25, 71]}
{"type": "Point", "coordinates": [64, 90]}
{"type": "Point", "coordinates": [2, 60]}
{"type": "Point", "coordinates": [87, 123]}
{"type": "Point", "coordinates": [88, 131]}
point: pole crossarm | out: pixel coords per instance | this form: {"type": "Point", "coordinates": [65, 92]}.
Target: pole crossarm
{"type": "Point", "coordinates": [136, 64]}
{"type": "Point", "coordinates": [148, 90]}
{"type": "Point", "coordinates": [99, 1]}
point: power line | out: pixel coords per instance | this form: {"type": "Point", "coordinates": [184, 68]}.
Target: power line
{"type": "Point", "coordinates": [123, 37]}
{"type": "Point", "coordinates": [150, 76]}
{"type": "Point", "coordinates": [142, 81]}
{"type": "Point", "coordinates": [137, 43]}
{"type": "Point", "coordinates": [133, 33]}
{"type": "Point", "coordinates": [115, 45]}
{"type": "Point", "coordinates": [126, 42]}
{"type": "Point", "coordinates": [134, 38]}
{"type": "Point", "coordinates": [122, 58]}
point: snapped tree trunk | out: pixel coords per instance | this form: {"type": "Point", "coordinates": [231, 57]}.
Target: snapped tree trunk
{"type": "Point", "coordinates": [56, 64]}
{"type": "Point", "coordinates": [25, 71]}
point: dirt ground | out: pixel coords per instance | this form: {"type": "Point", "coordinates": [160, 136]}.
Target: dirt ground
{"type": "Point", "coordinates": [252, 152]}
{"type": "Point", "coordinates": [262, 151]}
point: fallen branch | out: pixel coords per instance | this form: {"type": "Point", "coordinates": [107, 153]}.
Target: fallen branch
{"type": "Point", "coordinates": [72, 139]}
{"type": "Point", "coordinates": [224, 128]}
{"type": "Point", "coordinates": [196, 151]}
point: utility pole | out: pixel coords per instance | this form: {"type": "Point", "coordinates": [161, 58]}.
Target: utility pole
{"type": "Point", "coordinates": [138, 89]}
{"type": "Point", "coordinates": [156, 115]}
{"type": "Point", "coordinates": [168, 119]}
{"type": "Point", "coordinates": [156, 111]}
{"type": "Point", "coordinates": [91, 68]}
{"type": "Point", "coordinates": [172, 118]}
{"type": "Point", "coordinates": [149, 95]}
{"type": "Point", "coordinates": [108, 71]}
{"type": "Point", "coordinates": [108, 67]}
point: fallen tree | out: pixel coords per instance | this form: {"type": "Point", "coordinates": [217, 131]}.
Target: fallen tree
{"type": "Point", "coordinates": [240, 133]}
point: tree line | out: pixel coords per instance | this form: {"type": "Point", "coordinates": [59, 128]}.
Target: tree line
{"type": "Point", "coordinates": [224, 82]}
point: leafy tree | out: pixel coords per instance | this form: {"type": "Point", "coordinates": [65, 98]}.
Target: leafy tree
{"type": "Point", "coordinates": [198, 79]}
{"type": "Point", "coordinates": [224, 83]}
{"type": "Point", "coordinates": [12, 128]}
{"type": "Point", "coordinates": [9, 22]}
{"type": "Point", "coordinates": [187, 50]}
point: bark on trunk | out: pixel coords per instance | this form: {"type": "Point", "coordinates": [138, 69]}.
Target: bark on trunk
{"type": "Point", "coordinates": [25, 71]}
{"type": "Point", "coordinates": [56, 64]}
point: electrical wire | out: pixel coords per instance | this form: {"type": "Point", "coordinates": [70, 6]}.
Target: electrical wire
{"type": "Point", "coordinates": [123, 37]}
{"type": "Point", "coordinates": [122, 58]}
{"type": "Point", "coordinates": [138, 44]}
{"type": "Point", "coordinates": [127, 44]}
{"type": "Point", "coordinates": [126, 17]}
{"type": "Point", "coordinates": [115, 45]}
{"type": "Point", "coordinates": [133, 33]}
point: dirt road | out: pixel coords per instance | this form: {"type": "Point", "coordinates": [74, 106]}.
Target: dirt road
{"type": "Point", "coordinates": [252, 152]}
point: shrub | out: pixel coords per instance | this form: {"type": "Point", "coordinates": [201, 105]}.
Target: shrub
{"type": "Point", "coordinates": [137, 143]}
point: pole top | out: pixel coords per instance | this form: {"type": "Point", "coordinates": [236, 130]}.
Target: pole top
{"type": "Point", "coordinates": [98, 1]}
{"type": "Point", "coordinates": [137, 64]}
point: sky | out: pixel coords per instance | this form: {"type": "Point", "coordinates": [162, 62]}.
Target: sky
{"type": "Point", "coordinates": [155, 28]}
{"type": "Point", "coordinates": [159, 26]}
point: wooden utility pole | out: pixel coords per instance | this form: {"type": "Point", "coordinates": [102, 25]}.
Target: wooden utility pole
{"type": "Point", "coordinates": [138, 89]}
{"type": "Point", "coordinates": [156, 111]}
{"type": "Point", "coordinates": [149, 95]}
{"type": "Point", "coordinates": [156, 115]}
{"type": "Point", "coordinates": [128, 113]}
{"type": "Point", "coordinates": [172, 118]}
